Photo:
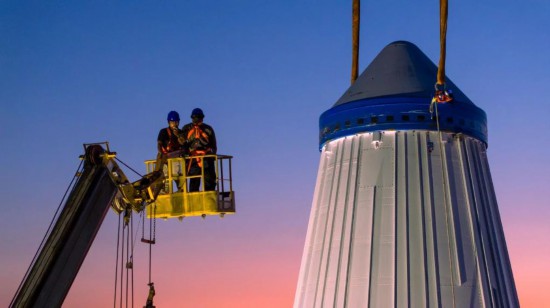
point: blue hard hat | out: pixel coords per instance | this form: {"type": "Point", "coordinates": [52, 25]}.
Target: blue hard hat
{"type": "Point", "coordinates": [173, 116]}
{"type": "Point", "coordinates": [197, 112]}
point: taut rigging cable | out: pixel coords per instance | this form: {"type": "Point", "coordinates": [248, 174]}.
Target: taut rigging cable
{"type": "Point", "coordinates": [48, 231]}
{"type": "Point", "coordinates": [356, 17]}
{"type": "Point", "coordinates": [125, 251]}
{"type": "Point", "coordinates": [151, 241]}
{"type": "Point", "coordinates": [443, 14]}
{"type": "Point", "coordinates": [120, 161]}
{"type": "Point", "coordinates": [116, 261]}
{"type": "Point", "coordinates": [445, 204]}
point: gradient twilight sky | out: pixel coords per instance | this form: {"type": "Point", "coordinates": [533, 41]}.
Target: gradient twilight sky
{"type": "Point", "coordinates": [74, 72]}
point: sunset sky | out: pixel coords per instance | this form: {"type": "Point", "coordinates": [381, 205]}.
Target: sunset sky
{"type": "Point", "coordinates": [74, 72]}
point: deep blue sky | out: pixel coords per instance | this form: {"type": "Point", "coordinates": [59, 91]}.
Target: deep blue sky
{"type": "Point", "coordinates": [73, 72]}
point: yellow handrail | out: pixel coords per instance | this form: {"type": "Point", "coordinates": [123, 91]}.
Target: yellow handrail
{"type": "Point", "coordinates": [171, 202]}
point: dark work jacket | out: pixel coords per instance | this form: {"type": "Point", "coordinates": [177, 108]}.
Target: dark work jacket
{"type": "Point", "coordinates": [168, 140]}
{"type": "Point", "coordinates": [199, 137]}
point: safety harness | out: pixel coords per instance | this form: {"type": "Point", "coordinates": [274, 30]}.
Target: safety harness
{"type": "Point", "coordinates": [172, 145]}
{"type": "Point", "coordinates": [199, 141]}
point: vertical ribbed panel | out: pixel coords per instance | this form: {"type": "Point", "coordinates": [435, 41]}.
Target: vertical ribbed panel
{"type": "Point", "coordinates": [401, 219]}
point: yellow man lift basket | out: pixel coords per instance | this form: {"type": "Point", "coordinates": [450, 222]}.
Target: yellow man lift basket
{"type": "Point", "coordinates": [174, 200]}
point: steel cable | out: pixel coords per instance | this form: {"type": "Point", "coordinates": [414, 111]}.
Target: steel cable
{"type": "Point", "coordinates": [443, 14]}
{"type": "Point", "coordinates": [48, 231]}
{"type": "Point", "coordinates": [116, 261]}
{"type": "Point", "coordinates": [120, 161]}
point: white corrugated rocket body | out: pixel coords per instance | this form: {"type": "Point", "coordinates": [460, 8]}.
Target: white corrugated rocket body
{"type": "Point", "coordinates": [404, 214]}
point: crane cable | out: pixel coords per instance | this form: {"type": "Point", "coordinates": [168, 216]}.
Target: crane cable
{"type": "Point", "coordinates": [130, 237]}
{"type": "Point", "coordinates": [70, 188]}
{"type": "Point", "coordinates": [445, 204]}
{"type": "Point", "coordinates": [151, 241]}
{"type": "Point", "coordinates": [356, 16]}
{"type": "Point", "coordinates": [443, 96]}
{"type": "Point", "coordinates": [116, 260]}
{"type": "Point", "coordinates": [125, 253]}
{"type": "Point", "coordinates": [443, 14]}
{"type": "Point", "coordinates": [130, 260]}
{"type": "Point", "coordinates": [120, 161]}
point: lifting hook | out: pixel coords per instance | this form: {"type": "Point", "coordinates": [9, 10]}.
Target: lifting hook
{"type": "Point", "coordinates": [149, 303]}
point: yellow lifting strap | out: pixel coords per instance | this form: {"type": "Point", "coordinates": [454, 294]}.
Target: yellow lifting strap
{"type": "Point", "coordinates": [443, 13]}
{"type": "Point", "coordinates": [356, 16]}
{"type": "Point", "coordinates": [441, 94]}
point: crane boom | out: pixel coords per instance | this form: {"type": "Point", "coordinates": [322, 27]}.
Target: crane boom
{"type": "Point", "coordinates": [51, 275]}
{"type": "Point", "coordinates": [102, 184]}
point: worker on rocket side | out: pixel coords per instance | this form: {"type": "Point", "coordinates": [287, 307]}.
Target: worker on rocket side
{"type": "Point", "coordinates": [200, 140]}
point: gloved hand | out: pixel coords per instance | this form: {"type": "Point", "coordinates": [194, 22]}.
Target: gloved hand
{"type": "Point", "coordinates": [176, 131]}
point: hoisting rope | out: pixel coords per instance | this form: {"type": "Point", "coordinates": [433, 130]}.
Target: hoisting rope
{"type": "Point", "coordinates": [443, 96]}
{"type": "Point", "coordinates": [48, 231]}
{"type": "Point", "coordinates": [128, 223]}
{"type": "Point", "coordinates": [130, 237]}
{"type": "Point", "coordinates": [445, 204]}
{"type": "Point", "coordinates": [121, 260]}
{"type": "Point", "coordinates": [125, 253]}
{"type": "Point", "coordinates": [129, 250]}
{"type": "Point", "coordinates": [356, 16]}
{"type": "Point", "coordinates": [443, 14]}
{"type": "Point", "coordinates": [150, 241]}
{"type": "Point", "coordinates": [116, 261]}
{"type": "Point", "coordinates": [152, 237]}
{"type": "Point", "coordinates": [120, 161]}
{"type": "Point", "coordinates": [130, 261]}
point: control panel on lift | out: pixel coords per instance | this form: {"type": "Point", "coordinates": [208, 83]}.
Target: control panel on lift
{"type": "Point", "coordinates": [182, 193]}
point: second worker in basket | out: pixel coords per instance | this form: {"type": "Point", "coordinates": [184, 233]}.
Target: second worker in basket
{"type": "Point", "coordinates": [200, 141]}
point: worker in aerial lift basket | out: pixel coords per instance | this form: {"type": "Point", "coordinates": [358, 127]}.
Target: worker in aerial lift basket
{"type": "Point", "coordinates": [169, 142]}
{"type": "Point", "coordinates": [200, 140]}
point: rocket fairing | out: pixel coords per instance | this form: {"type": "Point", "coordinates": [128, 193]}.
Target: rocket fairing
{"type": "Point", "coordinates": [404, 211]}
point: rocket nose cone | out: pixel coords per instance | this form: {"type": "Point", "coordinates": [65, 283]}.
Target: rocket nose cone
{"type": "Point", "coordinates": [394, 93]}
{"type": "Point", "coordinates": [401, 68]}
